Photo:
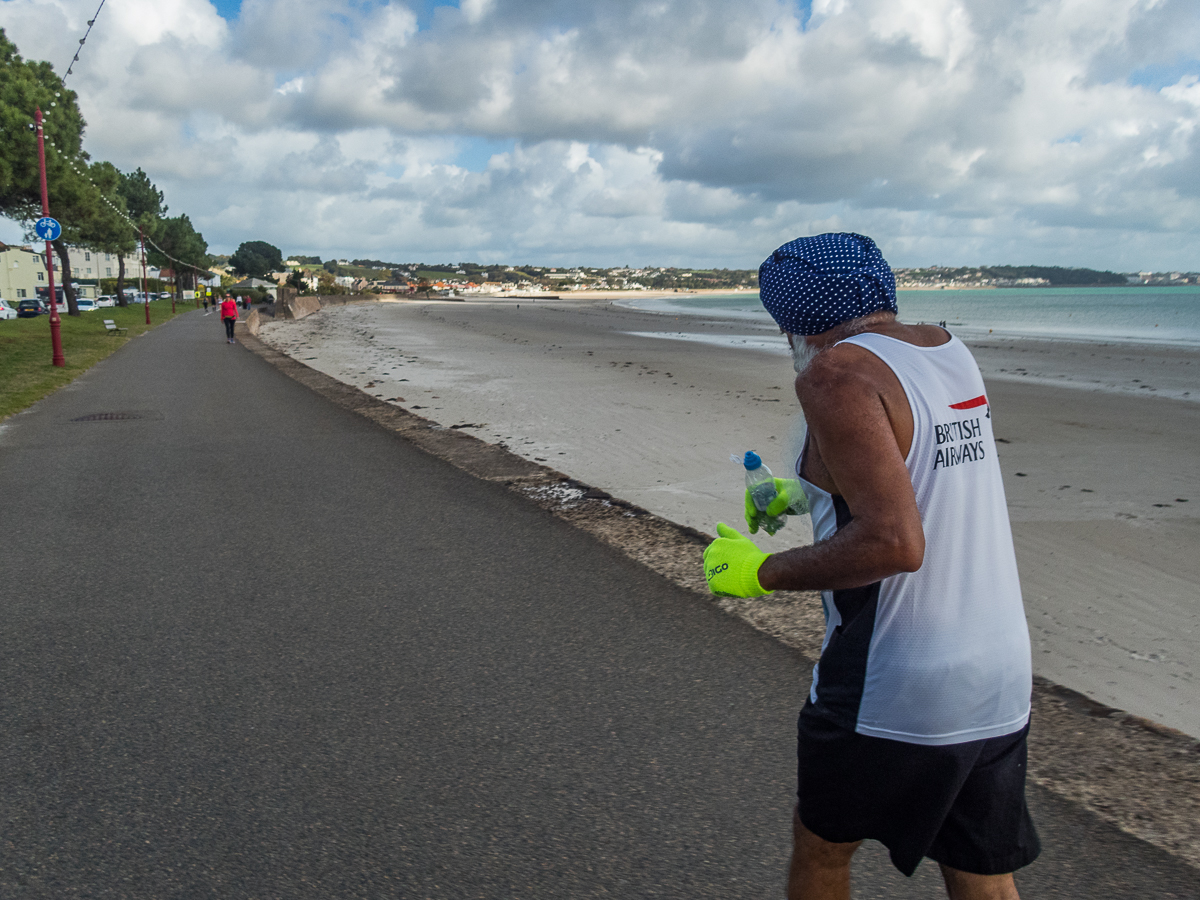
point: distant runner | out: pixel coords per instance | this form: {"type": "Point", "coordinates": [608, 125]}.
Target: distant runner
{"type": "Point", "coordinates": [229, 315]}
{"type": "Point", "coordinates": [915, 728]}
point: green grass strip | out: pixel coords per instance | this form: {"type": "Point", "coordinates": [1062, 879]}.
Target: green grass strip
{"type": "Point", "coordinates": [27, 373]}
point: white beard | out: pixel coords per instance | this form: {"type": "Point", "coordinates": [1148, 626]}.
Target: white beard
{"type": "Point", "coordinates": [802, 354]}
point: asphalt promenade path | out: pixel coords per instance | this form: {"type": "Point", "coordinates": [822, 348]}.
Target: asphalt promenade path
{"type": "Point", "coordinates": [253, 645]}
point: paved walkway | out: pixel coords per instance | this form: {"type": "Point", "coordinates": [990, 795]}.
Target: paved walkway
{"type": "Point", "coordinates": [253, 645]}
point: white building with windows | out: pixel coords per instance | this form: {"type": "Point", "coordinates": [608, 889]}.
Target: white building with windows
{"type": "Point", "coordinates": [90, 265]}
{"type": "Point", "coordinates": [22, 271]}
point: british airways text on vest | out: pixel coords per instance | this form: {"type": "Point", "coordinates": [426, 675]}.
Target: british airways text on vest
{"type": "Point", "coordinates": [957, 443]}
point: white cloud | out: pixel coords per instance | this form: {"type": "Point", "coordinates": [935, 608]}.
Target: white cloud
{"type": "Point", "coordinates": [295, 86]}
{"type": "Point", "coordinates": [475, 10]}
{"type": "Point", "coordinates": [690, 131]}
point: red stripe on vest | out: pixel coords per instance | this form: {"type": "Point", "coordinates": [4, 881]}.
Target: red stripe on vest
{"type": "Point", "coordinates": [981, 400]}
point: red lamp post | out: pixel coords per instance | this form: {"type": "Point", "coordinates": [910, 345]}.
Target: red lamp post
{"type": "Point", "coordinates": [55, 322]}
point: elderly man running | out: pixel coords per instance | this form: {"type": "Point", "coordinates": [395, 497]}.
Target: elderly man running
{"type": "Point", "coordinates": [914, 730]}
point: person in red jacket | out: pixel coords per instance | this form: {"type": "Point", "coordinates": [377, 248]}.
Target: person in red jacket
{"type": "Point", "coordinates": [229, 315]}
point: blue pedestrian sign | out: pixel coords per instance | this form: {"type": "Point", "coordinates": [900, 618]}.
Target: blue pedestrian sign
{"type": "Point", "coordinates": [48, 229]}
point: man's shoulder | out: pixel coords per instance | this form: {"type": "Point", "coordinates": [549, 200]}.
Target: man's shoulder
{"type": "Point", "coordinates": [841, 369]}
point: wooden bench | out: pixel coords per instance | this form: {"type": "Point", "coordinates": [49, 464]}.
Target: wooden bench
{"type": "Point", "coordinates": [111, 327]}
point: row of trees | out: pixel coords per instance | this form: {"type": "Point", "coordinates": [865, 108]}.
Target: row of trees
{"type": "Point", "coordinates": [94, 201]}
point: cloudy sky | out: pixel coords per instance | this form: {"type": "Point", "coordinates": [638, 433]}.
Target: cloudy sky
{"type": "Point", "coordinates": [611, 132]}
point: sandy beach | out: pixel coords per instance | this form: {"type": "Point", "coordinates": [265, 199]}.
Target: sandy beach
{"type": "Point", "coordinates": [1097, 448]}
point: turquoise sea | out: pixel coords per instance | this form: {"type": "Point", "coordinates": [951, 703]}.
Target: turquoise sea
{"type": "Point", "coordinates": [1166, 315]}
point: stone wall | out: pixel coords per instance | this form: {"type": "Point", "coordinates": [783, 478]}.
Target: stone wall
{"type": "Point", "coordinates": [253, 321]}
{"type": "Point", "coordinates": [290, 305]}
{"type": "Point", "coordinates": [344, 299]}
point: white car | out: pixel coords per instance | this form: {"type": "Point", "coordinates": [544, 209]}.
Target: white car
{"type": "Point", "coordinates": [106, 300]}
{"type": "Point", "coordinates": [85, 304]}
{"type": "Point", "coordinates": [6, 311]}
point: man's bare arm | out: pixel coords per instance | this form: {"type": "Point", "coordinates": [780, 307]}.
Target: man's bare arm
{"type": "Point", "coordinates": [849, 426]}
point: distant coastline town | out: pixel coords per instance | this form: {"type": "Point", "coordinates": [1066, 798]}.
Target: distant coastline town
{"type": "Point", "coordinates": [259, 268]}
{"type": "Point", "coordinates": [312, 275]}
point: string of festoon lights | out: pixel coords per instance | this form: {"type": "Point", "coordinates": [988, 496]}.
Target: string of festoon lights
{"type": "Point", "coordinates": [83, 40]}
{"type": "Point", "coordinates": [67, 158]}
{"type": "Point", "coordinates": [122, 213]}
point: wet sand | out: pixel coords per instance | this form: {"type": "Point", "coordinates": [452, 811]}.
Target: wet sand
{"type": "Point", "coordinates": [1105, 541]}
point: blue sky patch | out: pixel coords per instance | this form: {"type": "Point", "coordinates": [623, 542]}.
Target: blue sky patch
{"type": "Point", "coordinates": [426, 8]}
{"type": "Point", "coordinates": [474, 152]}
{"type": "Point", "coordinates": [231, 9]}
{"type": "Point", "coordinates": [228, 9]}
{"type": "Point", "coordinates": [804, 13]}
{"type": "Point", "coordinates": [1157, 76]}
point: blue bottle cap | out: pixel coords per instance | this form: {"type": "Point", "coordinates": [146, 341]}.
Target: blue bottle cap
{"type": "Point", "coordinates": [752, 461]}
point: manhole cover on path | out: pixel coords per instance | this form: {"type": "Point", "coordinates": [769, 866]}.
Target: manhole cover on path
{"type": "Point", "coordinates": [109, 417]}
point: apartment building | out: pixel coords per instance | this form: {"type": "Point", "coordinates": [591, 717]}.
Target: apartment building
{"type": "Point", "coordinates": [22, 271]}
{"type": "Point", "coordinates": [89, 265]}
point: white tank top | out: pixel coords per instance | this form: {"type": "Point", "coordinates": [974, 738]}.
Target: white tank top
{"type": "Point", "coordinates": [940, 655]}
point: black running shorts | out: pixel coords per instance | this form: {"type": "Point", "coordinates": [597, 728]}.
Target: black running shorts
{"type": "Point", "coordinates": [962, 805]}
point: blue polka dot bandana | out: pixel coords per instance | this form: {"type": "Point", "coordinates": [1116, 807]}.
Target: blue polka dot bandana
{"type": "Point", "coordinates": [814, 283]}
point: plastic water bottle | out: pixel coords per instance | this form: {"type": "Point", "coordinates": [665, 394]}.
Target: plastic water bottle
{"type": "Point", "coordinates": [761, 485]}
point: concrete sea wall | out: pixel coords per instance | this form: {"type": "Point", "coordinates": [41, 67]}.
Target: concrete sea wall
{"type": "Point", "coordinates": [290, 305]}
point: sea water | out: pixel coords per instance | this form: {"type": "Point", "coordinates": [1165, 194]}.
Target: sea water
{"type": "Point", "coordinates": [1166, 315]}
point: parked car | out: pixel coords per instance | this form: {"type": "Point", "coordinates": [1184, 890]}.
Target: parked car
{"type": "Point", "coordinates": [29, 309]}
{"type": "Point", "coordinates": [106, 300]}
{"type": "Point", "coordinates": [6, 311]}
{"type": "Point", "coordinates": [165, 295]}
{"type": "Point", "coordinates": [85, 304]}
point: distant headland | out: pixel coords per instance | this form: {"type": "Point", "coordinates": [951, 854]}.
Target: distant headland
{"type": "Point", "coordinates": [380, 276]}
{"type": "Point", "coordinates": [1032, 276]}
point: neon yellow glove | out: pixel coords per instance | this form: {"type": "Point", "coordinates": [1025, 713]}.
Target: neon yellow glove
{"type": "Point", "coordinates": [789, 498]}
{"type": "Point", "coordinates": [731, 565]}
